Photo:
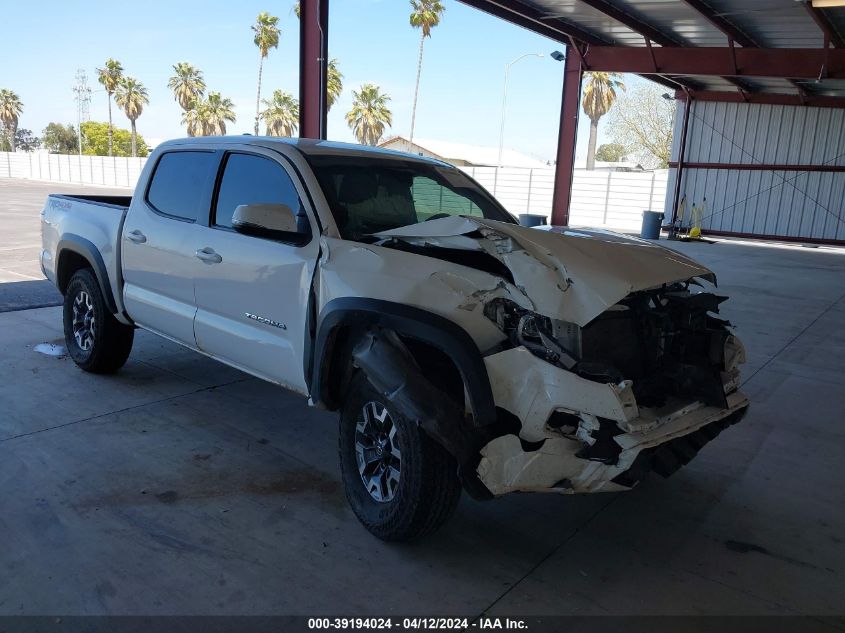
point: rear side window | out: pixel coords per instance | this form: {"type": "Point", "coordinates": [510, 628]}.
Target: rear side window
{"type": "Point", "coordinates": [180, 183]}
{"type": "Point", "coordinates": [250, 179]}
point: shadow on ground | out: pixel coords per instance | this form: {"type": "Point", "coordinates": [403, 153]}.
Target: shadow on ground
{"type": "Point", "coordinates": [24, 295]}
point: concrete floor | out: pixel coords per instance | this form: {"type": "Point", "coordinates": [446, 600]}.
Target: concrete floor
{"type": "Point", "coordinates": [180, 486]}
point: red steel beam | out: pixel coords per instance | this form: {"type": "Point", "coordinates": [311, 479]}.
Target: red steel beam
{"type": "Point", "coordinates": [762, 167]}
{"type": "Point", "coordinates": [652, 34]}
{"type": "Point", "coordinates": [565, 164]}
{"type": "Point", "coordinates": [797, 63]}
{"type": "Point", "coordinates": [824, 24]}
{"type": "Point", "coordinates": [817, 101]}
{"type": "Point", "coordinates": [313, 67]}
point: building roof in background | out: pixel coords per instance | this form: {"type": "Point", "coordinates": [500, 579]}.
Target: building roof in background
{"type": "Point", "coordinates": [479, 155]}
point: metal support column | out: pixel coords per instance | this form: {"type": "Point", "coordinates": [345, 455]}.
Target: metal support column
{"type": "Point", "coordinates": [313, 67]}
{"type": "Point", "coordinates": [679, 172]}
{"type": "Point", "coordinates": [566, 137]}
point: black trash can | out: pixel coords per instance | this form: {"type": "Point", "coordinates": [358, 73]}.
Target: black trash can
{"type": "Point", "coordinates": [532, 219]}
{"type": "Point", "coordinates": [651, 225]}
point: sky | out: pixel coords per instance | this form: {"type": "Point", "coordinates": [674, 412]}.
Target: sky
{"type": "Point", "coordinates": [460, 91]}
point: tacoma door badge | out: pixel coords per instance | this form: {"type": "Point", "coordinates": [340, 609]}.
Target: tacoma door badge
{"type": "Point", "coordinates": [261, 319]}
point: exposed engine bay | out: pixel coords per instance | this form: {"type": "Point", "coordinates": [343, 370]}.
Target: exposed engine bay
{"type": "Point", "coordinates": [664, 340]}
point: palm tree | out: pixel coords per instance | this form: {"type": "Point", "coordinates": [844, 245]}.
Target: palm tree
{"type": "Point", "coordinates": [131, 96]}
{"type": "Point", "coordinates": [334, 84]}
{"type": "Point", "coordinates": [369, 114]}
{"type": "Point", "coordinates": [266, 37]}
{"type": "Point", "coordinates": [296, 10]}
{"type": "Point", "coordinates": [281, 115]}
{"type": "Point", "coordinates": [187, 84]}
{"type": "Point", "coordinates": [10, 109]}
{"type": "Point", "coordinates": [192, 119]}
{"type": "Point", "coordinates": [425, 15]}
{"type": "Point", "coordinates": [599, 95]}
{"type": "Point", "coordinates": [110, 76]}
{"type": "Point", "coordinates": [214, 112]}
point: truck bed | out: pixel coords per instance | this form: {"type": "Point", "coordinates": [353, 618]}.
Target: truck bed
{"type": "Point", "coordinates": [89, 225]}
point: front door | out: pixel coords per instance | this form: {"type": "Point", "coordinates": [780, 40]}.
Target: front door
{"type": "Point", "coordinates": [252, 293]}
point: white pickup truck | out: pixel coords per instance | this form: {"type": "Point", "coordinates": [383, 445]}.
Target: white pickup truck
{"type": "Point", "coordinates": [461, 349]}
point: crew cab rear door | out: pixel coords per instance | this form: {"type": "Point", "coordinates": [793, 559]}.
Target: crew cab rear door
{"type": "Point", "coordinates": [252, 292]}
{"type": "Point", "coordinates": [157, 250]}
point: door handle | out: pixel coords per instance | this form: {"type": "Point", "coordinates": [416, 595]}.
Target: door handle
{"type": "Point", "coordinates": [208, 255]}
{"type": "Point", "coordinates": [136, 236]}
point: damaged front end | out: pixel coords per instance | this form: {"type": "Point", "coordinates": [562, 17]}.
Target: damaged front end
{"type": "Point", "coordinates": [610, 360]}
{"type": "Point", "coordinates": [641, 387]}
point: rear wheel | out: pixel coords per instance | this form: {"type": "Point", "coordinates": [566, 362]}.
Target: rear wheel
{"type": "Point", "coordinates": [95, 340]}
{"type": "Point", "coordinates": [400, 483]}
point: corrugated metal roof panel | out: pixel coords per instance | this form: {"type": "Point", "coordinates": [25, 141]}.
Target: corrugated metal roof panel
{"type": "Point", "coordinates": [678, 18]}
{"type": "Point", "coordinates": [771, 23]}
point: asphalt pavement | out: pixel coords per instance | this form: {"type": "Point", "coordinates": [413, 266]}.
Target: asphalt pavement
{"type": "Point", "coordinates": [22, 285]}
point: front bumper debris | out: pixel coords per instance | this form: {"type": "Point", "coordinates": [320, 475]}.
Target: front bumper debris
{"type": "Point", "coordinates": [555, 458]}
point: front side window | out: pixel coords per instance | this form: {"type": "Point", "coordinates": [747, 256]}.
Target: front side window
{"type": "Point", "coordinates": [368, 195]}
{"type": "Point", "coordinates": [180, 183]}
{"type": "Point", "coordinates": [250, 179]}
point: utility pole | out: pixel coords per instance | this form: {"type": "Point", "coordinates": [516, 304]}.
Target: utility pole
{"type": "Point", "coordinates": [83, 99]}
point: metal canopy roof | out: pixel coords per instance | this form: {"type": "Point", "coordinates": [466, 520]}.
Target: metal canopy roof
{"type": "Point", "coordinates": [727, 25]}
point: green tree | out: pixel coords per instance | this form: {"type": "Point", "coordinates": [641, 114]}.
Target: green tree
{"type": "Point", "coordinates": [187, 84]}
{"type": "Point", "coordinates": [266, 37]}
{"type": "Point", "coordinates": [425, 15]}
{"type": "Point", "coordinates": [109, 76]}
{"type": "Point", "coordinates": [610, 152]}
{"type": "Point", "coordinates": [599, 96]}
{"type": "Point", "coordinates": [281, 116]}
{"type": "Point", "coordinates": [11, 108]}
{"type": "Point", "coordinates": [131, 97]}
{"type": "Point", "coordinates": [334, 84]}
{"type": "Point", "coordinates": [213, 114]}
{"type": "Point", "coordinates": [25, 141]}
{"type": "Point", "coordinates": [369, 114]}
{"type": "Point", "coordinates": [296, 10]}
{"type": "Point", "coordinates": [642, 123]}
{"type": "Point", "coordinates": [95, 140]}
{"type": "Point", "coordinates": [60, 139]}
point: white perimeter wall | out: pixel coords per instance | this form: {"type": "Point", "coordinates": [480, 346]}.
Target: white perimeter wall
{"type": "Point", "coordinates": [89, 170]}
{"type": "Point", "coordinates": [605, 199]}
{"type": "Point", "coordinates": [787, 203]}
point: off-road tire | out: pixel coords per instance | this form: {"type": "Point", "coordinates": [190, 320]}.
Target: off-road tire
{"type": "Point", "coordinates": [109, 341]}
{"type": "Point", "coordinates": [428, 489]}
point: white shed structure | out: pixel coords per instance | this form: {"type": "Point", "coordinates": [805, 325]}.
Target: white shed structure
{"type": "Point", "coordinates": [765, 170]}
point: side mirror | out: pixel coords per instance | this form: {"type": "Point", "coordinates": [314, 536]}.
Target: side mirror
{"type": "Point", "coordinates": [272, 221]}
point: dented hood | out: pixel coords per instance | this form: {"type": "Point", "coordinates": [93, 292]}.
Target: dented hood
{"type": "Point", "coordinates": [569, 274]}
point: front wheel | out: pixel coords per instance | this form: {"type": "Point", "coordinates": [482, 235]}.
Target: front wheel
{"type": "Point", "coordinates": [95, 340]}
{"type": "Point", "coordinates": [400, 483]}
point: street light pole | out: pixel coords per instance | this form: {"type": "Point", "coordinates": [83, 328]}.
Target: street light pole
{"type": "Point", "coordinates": [504, 110]}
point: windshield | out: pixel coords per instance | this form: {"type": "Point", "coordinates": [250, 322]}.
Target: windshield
{"type": "Point", "coordinates": [368, 195]}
